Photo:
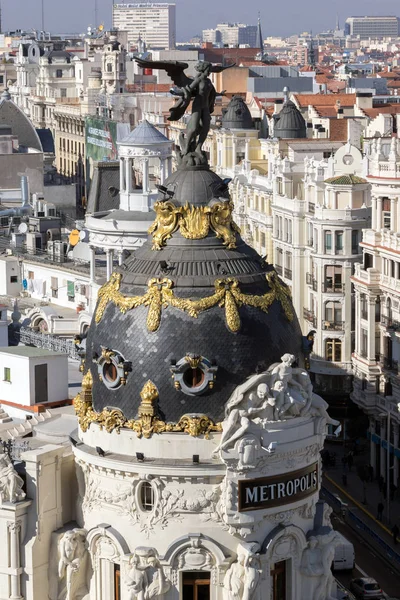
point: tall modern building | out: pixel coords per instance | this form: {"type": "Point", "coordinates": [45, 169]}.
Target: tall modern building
{"type": "Point", "coordinates": [153, 22]}
{"type": "Point", "coordinates": [367, 27]}
{"type": "Point", "coordinates": [232, 34]}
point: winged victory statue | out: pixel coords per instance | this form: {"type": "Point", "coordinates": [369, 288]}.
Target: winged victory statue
{"type": "Point", "coordinates": [202, 91]}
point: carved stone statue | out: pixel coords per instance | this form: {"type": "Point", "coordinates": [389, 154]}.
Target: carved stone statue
{"type": "Point", "coordinates": [203, 93]}
{"type": "Point", "coordinates": [248, 400]}
{"type": "Point", "coordinates": [71, 565]}
{"type": "Point", "coordinates": [145, 578]}
{"type": "Point", "coordinates": [11, 483]}
{"type": "Point", "coordinates": [243, 576]}
{"type": "Point", "coordinates": [316, 566]}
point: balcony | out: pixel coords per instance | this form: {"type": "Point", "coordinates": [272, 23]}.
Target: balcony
{"type": "Point", "coordinates": [334, 288]}
{"type": "Point", "coordinates": [333, 325]}
{"type": "Point", "coordinates": [388, 364]}
{"type": "Point", "coordinates": [389, 323]}
{"type": "Point", "coordinates": [310, 317]}
{"type": "Point", "coordinates": [279, 269]}
{"type": "Point", "coordinates": [311, 208]}
{"type": "Point", "coordinates": [288, 273]}
{"type": "Point", "coordinates": [311, 281]}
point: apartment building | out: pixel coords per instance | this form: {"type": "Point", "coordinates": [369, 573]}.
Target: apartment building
{"type": "Point", "coordinates": [153, 22]}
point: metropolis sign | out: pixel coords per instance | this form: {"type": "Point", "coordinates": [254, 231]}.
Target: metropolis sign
{"type": "Point", "coordinates": [267, 492]}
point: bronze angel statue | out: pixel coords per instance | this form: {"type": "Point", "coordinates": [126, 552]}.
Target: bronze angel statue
{"type": "Point", "coordinates": [203, 93]}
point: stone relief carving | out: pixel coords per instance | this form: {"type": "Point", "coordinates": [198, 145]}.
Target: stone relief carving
{"type": "Point", "coordinates": [145, 578]}
{"type": "Point", "coordinates": [242, 579]}
{"type": "Point", "coordinates": [283, 392]}
{"type": "Point", "coordinates": [11, 483]}
{"type": "Point", "coordinates": [72, 553]}
{"type": "Point", "coordinates": [195, 557]}
{"type": "Point", "coordinates": [170, 503]}
{"type": "Point", "coordinates": [316, 564]}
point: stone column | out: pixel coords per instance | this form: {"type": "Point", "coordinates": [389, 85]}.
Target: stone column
{"type": "Point", "coordinates": [121, 174]}
{"type": "Point", "coordinates": [92, 264]}
{"type": "Point", "coordinates": [14, 530]}
{"type": "Point", "coordinates": [357, 320]}
{"type": "Point", "coordinates": [247, 150]}
{"type": "Point", "coordinates": [110, 258]}
{"type": "Point", "coordinates": [120, 257]}
{"type": "Point", "coordinates": [146, 175]}
{"type": "Point", "coordinates": [234, 152]}
{"type": "Point", "coordinates": [371, 328]}
{"type": "Point", "coordinates": [379, 214]}
{"type": "Point", "coordinates": [162, 170]}
{"type": "Point", "coordinates": [398, 216]}
{"type": "Point", "coordinates": [128, 163]}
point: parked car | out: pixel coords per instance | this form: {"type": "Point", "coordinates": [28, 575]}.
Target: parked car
{"type": "Point", "coordinates": [366, 587]}
{"type": "Point", "coordinates": [344, 559]}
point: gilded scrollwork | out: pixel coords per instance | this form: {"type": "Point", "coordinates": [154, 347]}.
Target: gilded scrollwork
{"type": "Point", "coordinates": [147, 422]}
{"type": "Point", "coordinates": [194, 222]}
{"type": "Point", "coordinates": [227, 295]}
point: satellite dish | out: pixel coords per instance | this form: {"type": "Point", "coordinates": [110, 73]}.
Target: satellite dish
{"type": "Point", "coordinates": [74, 237]}
{"type": "Point", "coordinates": [22, 228]}
{"type": "Point", "coordinates": [83, 235]}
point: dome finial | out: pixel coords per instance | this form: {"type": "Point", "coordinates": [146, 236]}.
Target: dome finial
{"type": "Point", "coordinates": [286, 94]}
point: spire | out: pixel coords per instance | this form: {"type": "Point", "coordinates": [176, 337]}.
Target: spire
{"type": "Point", "coordinates": [337, 22]}
{"type": "Point", "coordinates": [259, 40]}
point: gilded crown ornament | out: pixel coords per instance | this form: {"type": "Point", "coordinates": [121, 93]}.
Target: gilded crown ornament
{"type": "Point", "coordinates": [227, 295]}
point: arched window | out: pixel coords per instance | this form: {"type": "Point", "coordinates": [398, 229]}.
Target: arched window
{"type": "Point", "coordinates": [147, 496]}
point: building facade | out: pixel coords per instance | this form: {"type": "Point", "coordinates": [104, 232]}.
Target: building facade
{"type": "Point", "coordinates": [372, 27]}
{"type": "Point", "coordinates": [377, 292]}
{"type": "Point", "coordinates": [152, 22]}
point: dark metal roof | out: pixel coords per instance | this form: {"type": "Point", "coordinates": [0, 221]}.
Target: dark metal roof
{"type": "Point", "coordinates": [237, 115]}
{"type": "Point", "coordinates": [290, 123]}
{"type": "Point", "coordinates": [21, 126]}
{"type": "Point", "coordinates": [104, 182]}
{"type": "Point", "coordinates": [144, 134]}
{"type": "Point", "coordinates": [196, 185]}
{"type": "Point", "coordinates": [193, 267]}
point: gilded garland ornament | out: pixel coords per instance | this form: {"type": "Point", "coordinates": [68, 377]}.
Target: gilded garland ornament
{"type": "Point", "coordinates": [194, 222]}
{"type": "Point", "coordinates": [147, 422]}
{"type": "Point", "coordinates": [227, 295]}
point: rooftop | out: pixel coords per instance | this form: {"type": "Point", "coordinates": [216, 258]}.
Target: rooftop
{"type": "Point", "coordinates": [30, 352]}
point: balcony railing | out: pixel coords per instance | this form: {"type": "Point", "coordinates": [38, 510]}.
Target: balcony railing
{"type": "Point", "coordinates": [310, 317]}
{"type": "Point", "coordinates": [389, 322]}
{"type": "Point", "coordinates": [333, 325]}
{"type": "Point", "coordinates": [389, 364]}
{"type": "Point", "coordinates": [279, 269]}
{"type": "Point", "coordinates": [311, 208]}
{"type": "Point", "coordinates": [311, 281]}
{"type": "Point", "coordinates": [288, 273]}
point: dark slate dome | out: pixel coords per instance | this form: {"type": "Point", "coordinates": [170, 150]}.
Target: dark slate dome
{"type": "Point", "coordinates": [193, 267]}
{"type": "Point", "coordinates": [237, 115]}
{"type": "Point", "coordinates": [196, 185]}
{"type": "Point", "coordinates": [290, 124]}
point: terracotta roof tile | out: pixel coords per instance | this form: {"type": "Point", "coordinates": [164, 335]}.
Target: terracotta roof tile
{"type": "Point", "coordinates": [304, 100]}
{"type": "Point", "coordinates": [338, 130]}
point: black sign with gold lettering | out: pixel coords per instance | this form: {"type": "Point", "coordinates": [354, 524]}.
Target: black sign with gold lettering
{"type": "Point", "coordinates": [267, 492]}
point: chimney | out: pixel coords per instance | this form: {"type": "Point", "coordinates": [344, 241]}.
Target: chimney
{"type": "Point", "coordinates": [364, 100]}
{"type": "Point", "coordinates": [24, 190]}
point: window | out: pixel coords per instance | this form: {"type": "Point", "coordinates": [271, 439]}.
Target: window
{"type": "Point", "coordinates": [7, 374]}
{"type": "Point", "coordinates": [333, 278]}
{"type": "Point", "coordinates": [328, 241]}
{"type": "Point", "coordinates": [363, 306]}
{"type": "Point", "coordinates": [378, 310]}
{"type": "Point", "coordinates": [386, 213]}
{"type": "Point", "coordinates": [59, 73]}
{"type": "Point", "coordinates": [63, 92]}
{"type": "Point", "coordinates": [279, 185]}
{"type": "Point", "coordinates": [147, 496]}
{"type": "Point", "coordinates": [117, 582]}
{"type": "Point", "coordinates": [109, 68]}
{"type": "Point", "coordinates": [354, 242]}
{"type": "Point", "coordinates": [333, 350]}
{"type": "Point", "coordinates": [339, 242]}
{"type": "Point", "coordinates": [14, 279]}
{"type": "Point", "coordinates": [71, 291]}
{"type": "Point", "coordinates": [333, 312]}
{"type": "Point", "coordinates": [31, 275]}
{"type": "Point", "coordinates": [364, 342]}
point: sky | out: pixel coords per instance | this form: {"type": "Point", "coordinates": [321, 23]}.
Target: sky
{"type": "Point", "coordinates": [278, 18]}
